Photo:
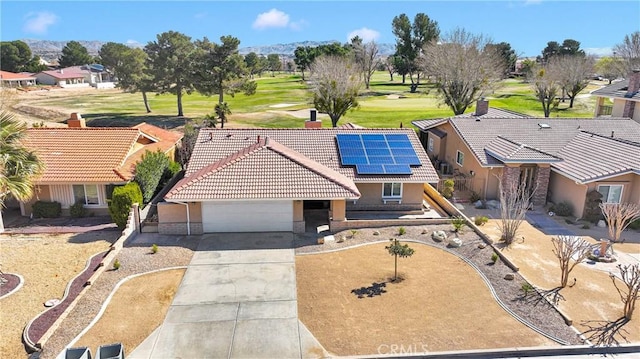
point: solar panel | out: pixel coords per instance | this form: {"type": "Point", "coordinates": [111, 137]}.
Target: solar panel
{"type": "Point", "coordinates": [377, 153]}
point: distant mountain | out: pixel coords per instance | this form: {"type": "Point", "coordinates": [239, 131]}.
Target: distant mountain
{"type": "Point", "coordinates": [52, 50]}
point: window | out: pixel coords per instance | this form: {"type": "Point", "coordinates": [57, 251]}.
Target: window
{"type": "Point", "coordinates": [87, 194]}
{"type": "Point", "coordinates": [611, 193]}
{"type": "Point", "coordinates": [430, 144]}
{"type": "Point", "coordinates": [392, 190]}
{"type": "Point", "coordinates": [459, 158]}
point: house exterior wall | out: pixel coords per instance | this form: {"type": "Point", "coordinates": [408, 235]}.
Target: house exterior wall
{"type": "Point", "coordinates": [63, 193]}
{"type": "Point", "coordinates": [563, 189]}
{"type": "Point", "coordinates": [618, 107]}
{"type": "Point", "coordinates": [338, 210]}
{"type": "Point", "coordinates": [371, 198]}
{"type": "Point", "coordinates": [172, 218]}
{"type": "Point", "coordinates": [45, 79]}
{"type": "Point", "coordinates": [439, 146]}
{"type": "Point", "coordinates": [630, 183]}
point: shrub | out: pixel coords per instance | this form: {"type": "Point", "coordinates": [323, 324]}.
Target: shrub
{"type": "Point", "coordinates": [494, 257]}
{"type": "Point", "coordinates": [458, 223]}
{"type": "Point", "coordinates": [447, 191]}
{"type": "Point", "coordinates": [44, 209]}
{"type": "Point", "coordinates": [77, 210]}
{"type": "Point", "coordinates": [116, 264]}
{"type": "Point", "coordinates": [149, 172]}
{"type": "Point", "coordinates": [481, 221]}
{"type": "Point", "coordinates": [592, 211]}
{"type": "Point", "coordinates": [122, 199]}
{"type": "Point", "coordinates": [586, 226]}
{"type": "Point", "coordinates": [172, 169]}
{"type": "Point", "coordinates": [474, 197]}
{"type": "Point", "coordinates": [154, 248]}
{"type": "Point", "coordinates": [526, 288]}
{"type": "Point", "coordinates": [353, 233]}
{"type": "Point", "coordinates": [563, 209]}
{"type": "Point", "coordinates": [568, 221]}
{"type": "Point", "coordinates": [401, 231]}
{"type": "Point", "coordinates": [635, 224]}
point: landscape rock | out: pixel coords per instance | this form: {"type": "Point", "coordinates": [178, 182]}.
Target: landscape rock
{"type": "Point", "coordinates": [455, 242]}
{"type": "Point", "coordinates": [478, 204]}
{"type": "Point", "coordinates": [376, 233]}
{"type": "Point", "coordinates": [424, 231]}
{"type": "Point", "coordinates": [482, 245]}
{"type": "Point", "coordinates": [438, 236]}
{"type": "Point", "coordinates": [493, 204]}
{"type": "Point", "coordinates": [601, 223]}
{"type": "Point", "coordinates": [509, 276]}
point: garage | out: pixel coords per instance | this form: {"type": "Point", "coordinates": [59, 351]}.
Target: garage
{"type": "Point", "coordinates": [247, 216]}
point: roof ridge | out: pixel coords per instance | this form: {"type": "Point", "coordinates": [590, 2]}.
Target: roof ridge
{"type": "Point", "coordinates": [223, 163]}
{"type": "Point", "coordinates": [524, 145]}
{"type": "Point", "coordinates": [80, 128]}
{"type": "Point", "coordinates": [618, 139]}
{"type": "Point", "coordinates": [335, 176]}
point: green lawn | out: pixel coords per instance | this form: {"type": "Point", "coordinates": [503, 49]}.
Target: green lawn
{"type": "Point", "coordinates": [386, 104]}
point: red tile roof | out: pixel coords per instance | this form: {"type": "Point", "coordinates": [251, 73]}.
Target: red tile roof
{"type": "Point", "coordinates": [90, 154]}
{"type": "Point", "coordinates": [6, 75]}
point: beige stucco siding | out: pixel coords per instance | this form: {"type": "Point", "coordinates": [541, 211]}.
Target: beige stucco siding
{"type": "Point", "coordinates": [338, 209]}
{"type": "Point", "coordinates": [629, 183]}
{"type": "Point", "coordinates": [175, 212]}
{"type": "Point", "coordinates": [563, 189]}
{"type": "Point", "coordinates": [298, 211]}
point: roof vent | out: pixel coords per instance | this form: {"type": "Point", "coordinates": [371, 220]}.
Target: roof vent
{"type": "Point", "coordinates": [544, 125]}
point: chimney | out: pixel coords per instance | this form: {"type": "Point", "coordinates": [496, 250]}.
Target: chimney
{"type": "Point", "coordinates": [76, 121]}
{"type": "Point", "coordinates": [632, 89]}
{"type": "Point", "coordinates": [312, 122]}
{"type": "Point", "coordinates": [482, 107]}
{"type": "Point", "coordinates": [612, 133]}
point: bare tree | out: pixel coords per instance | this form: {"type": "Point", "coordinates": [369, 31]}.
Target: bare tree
{"type": "Point", "coordinates": [546, 87]}
{"type": "Point", "coordinates": [389, 66]}
{"type": "Point", "coordinates": [462, 67]}
{"type": "Point", "coordinates": [629, 50]}
{"type": "Point", "coordinates": [335, 84]}
{"type": "Point", "coordinates": [515, 200]}
{"type": "Point", "coordinates": [630, 276]}
{"type": "Point", "coordinates": [569, 249]}
{"type": "Point", "coordinates": [370, 61]}
{"type": "Point", "coordinates": [619, 216]}
{"type": "Point", "coordinates": [573, 73]}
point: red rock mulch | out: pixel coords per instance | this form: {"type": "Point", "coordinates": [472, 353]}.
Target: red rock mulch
{"type": "Point", "coordinates": [10, 282]}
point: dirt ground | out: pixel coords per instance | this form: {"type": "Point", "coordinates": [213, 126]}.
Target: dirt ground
{"type": "Point", "coordinates": [47, 263]}
{"type": "Point", "coordinates": [137, 309]}
{"type": "Point", "coordinates": [592, 301]}
{"type": "Point", "coordinates": [449, 303]}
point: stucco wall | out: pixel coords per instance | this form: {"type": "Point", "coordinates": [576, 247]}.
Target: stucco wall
{"type": "Point", "coordinates": [338, 210]}
{"type": "Point", "coordinates": [629, 190]}
{"type": "Point", "coordinates": [562, 189]}
{"type": "Point", "coordinates": [174, 212]}
{"type": "Point", "coordinates": [298, 211]}
{"type": "Point", "coordinates": [40, 193]}
{"type": "Point", "coordinates": [371, 198]}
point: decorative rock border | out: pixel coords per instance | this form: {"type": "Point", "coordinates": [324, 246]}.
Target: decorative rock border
{"type": "Point", "coordinates": [16, 277]}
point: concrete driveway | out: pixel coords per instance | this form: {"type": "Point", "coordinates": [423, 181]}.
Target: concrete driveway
{"type": "Point", "coordinates": [236, 300]}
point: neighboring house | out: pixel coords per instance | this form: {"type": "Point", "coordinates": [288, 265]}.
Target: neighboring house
{"type": "Point", "coordinates": [95, 74]}
{"type": "Point", "coordinates": [62, 78]}
{"type": "Point", "coordinates": [558, 159]}
{"type": "Point", "coordinates": [252, 180]}
{"type": "Point", "coordinates": [84, 163]}
{"type": "Point", "coordinates": [10, 79]}
{"type": "Point", "coordinates": [620, 99]}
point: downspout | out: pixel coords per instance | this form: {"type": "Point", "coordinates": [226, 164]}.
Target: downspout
{"type": "Point", "coordinates": [188, 222]}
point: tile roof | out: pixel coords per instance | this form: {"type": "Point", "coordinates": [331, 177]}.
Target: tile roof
{"type": "Point", "coordinates": [617, 90]}
{"type": "Point", "coordinates": [265, 169]}
{"type": "Point", "coordinates": [482, 139]}
{"type": "Point", "coordinates": [506, 151]}
{"type": "Point", "coordinates": [90, 154]}
{"type": "Point", "coordinates": [590, 157]}
{"type": "Point", "coordinates": [491, 113]}
{"type": "Point", "coordinates": [302, 150]}
{"type": "Point", "coordinates": [6, 75]}
{"type": "Point", "coordinates": [64, 75]}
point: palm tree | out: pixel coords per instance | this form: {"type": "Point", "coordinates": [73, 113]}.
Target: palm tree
{"type": "Point", "coordinates": [18, 165]}
{"type": "Point", "coordinates": [222, 110]}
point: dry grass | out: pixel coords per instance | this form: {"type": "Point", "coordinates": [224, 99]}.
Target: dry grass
{"type": "Point", "coordinates": [442, 303]}
{"type": "Point", "coordinates": [47, 263]}
{"type": "Point", "coordinates": [593, 298]}
{"type": "Point", "coordinates": [137, 309]}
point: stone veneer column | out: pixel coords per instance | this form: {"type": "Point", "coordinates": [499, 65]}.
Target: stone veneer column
{"type": "Point", "coordinates": [541, 186]}
{"type": "Point", "coordinates": [510, 175]}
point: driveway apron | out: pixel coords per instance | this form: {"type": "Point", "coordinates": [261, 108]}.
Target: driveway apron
{"type": "Point", "coordinates": [237, 300]}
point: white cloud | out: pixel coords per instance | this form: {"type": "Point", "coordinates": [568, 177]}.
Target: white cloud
{"type": "Point", "coordinates": [39, 22]}
{"type": "Point", "coordinates": [367, 35]}
{"type": "Point", "coordinates": [599, 51]}
{"type": "Point", "coordinates": [298, 25]}
{"type": "Point", "coordinates": [271, 18]}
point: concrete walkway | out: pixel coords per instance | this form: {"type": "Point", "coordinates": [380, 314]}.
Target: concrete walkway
{"type": "Point", "coordinates": [237, 300]}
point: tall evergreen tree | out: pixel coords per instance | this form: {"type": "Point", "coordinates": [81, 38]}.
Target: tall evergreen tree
{"type": "Point", "coordinates": [74, 54]}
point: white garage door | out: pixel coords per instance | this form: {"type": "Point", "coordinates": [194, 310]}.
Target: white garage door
{"type": "Point", "coordinates": [247, 216]}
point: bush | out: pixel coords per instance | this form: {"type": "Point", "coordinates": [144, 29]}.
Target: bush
{"type": "Point", "coordinates": [592, 211]}
{"type": "Point", "coordinates": [474, 197]}
{"type": "Point", "coordinates": [171, 170]}
{"type": "Point", "coordinates": [458, 223]}
{"type": "Point", "coordinates": [149, 172]}
{"type": "Point", "coordinates": [44, 209]}
{"type": "Point", "coordinates": [563, 209]}
{"type": "Point", "coordinates": [116, 264]}
{"type": "Point", "coordinates": [122, 199]}
{"type": "Point", "coordinates": [481, 221]}
{"type": "Point", "coordinates": [526, 288]}
{"type": "Point", "coordinates": [77, 210]}
{"type": "Point", "coordinates": [635, 224]}
{"type": "Point", "coordinates": [401, 231]}
{"type": "Point", "coordinates": [494, 257]}
{"type": "Point", "coordinates": [586, 226]}
{"type": "Point", "coordinates": [154, 248]}
{"type": "Point", "coordinates": [447, 191]}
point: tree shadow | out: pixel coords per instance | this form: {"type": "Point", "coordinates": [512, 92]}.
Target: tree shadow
{"type": "Point", "coordinates": [128, 120]}
{"type": "Point", "coordinates": [371, 291]}
{"type": "Point", "coordinates": [541, 297]}
{"type": "Point", "coordinates": [606, 333]}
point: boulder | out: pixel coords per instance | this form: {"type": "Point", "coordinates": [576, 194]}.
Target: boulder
{"type": "Point", "coordinates": [493, 204]}
{"type": "Point", "coordinates": [482, 245]}
{"type": "Point", "coordinates": [438, 236]}
{"type": "Point", "coordinates": [455, 242]}
{"type": "Point", "coordinates": [376, 233]}
{"type": "Point", "coordinates": [509, 276]}
{"type": "Point", "coordinates": [601, 223]}
{"type": "Point", "coordinates": [478, 204]}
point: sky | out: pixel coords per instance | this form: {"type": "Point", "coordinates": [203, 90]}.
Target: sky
{"type": "Point", "coordinates": [525, 24]}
